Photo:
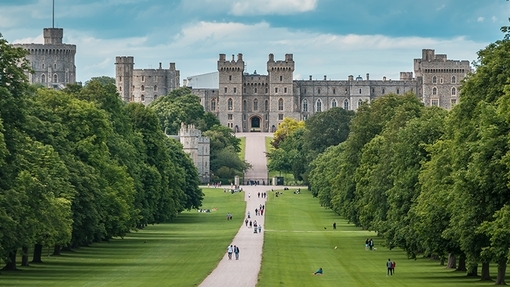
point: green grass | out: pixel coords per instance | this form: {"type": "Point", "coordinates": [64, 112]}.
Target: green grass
{"type": "Point", "coordinates": [296, 244]}
{"type": "Point", "coordinates": [243, 148]}
{"type": "Point", "coordinates": [288, 178]}
{"type": "Point", "coordinates": [181, 253]}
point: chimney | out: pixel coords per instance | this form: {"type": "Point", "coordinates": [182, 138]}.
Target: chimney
{"type": "Point", "coordinates": [325, 78]}
{"type": "Point", "coordinates": [310, 77]}
{"type": "Point", "coordinates": [160, 65]}
{"type": "Point", "coordinates": [368, 77]}
{"type": "Point", "coordinates": [172, 66]}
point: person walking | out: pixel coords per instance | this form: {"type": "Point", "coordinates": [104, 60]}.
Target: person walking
{"type": "Point", "coordinates": [393, 267]}
{"type": "Point", "coordinates": [388, 265]}
{"type": "Point", "coordinates": [230, 249]}
{"type": "Point", "coordinates": [260, 228]}
{"type": "Point", "coordinates": [246, 222]}
{"type": "Point", "coordinates": [236, 251]}
{"type": "Point", "coordinates": [334, 225]}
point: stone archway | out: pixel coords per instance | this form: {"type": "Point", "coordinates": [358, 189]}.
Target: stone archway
{"type": "Point", "coordinates": [255, 124]}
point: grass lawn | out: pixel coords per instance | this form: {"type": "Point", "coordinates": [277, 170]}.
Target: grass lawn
{"type": "Point", "coordinates": [296, 244]}
{"type": "Point", "coordinates": [181, 253]}
{"type": "Point", "coordinates": [243, 147]}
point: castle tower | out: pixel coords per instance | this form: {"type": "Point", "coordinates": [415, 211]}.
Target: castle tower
{"type": "Point", "coordinates": [230, 92]}
{"type": "Point", "coordinates": [123, 75]}
{"type": "Point", "coordinates": [282, 102]}
{"type": "Point", "coordinates": [198, 148]}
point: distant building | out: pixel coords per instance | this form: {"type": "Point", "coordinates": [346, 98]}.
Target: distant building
{"type": "Point", "coordinates": [144, 85]}
{"type": "Point", "coordinates": [251, 102]}
{"type": "Point", "coordinates": [52, 62]}
{"type": "Point", "coordinates": [198, 148]}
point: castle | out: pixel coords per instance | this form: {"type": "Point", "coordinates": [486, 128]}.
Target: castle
{"type": "Point", "coordinates": [252, 102]}
{"type": "Point", "coordinates": [52, 62]}
{"type": "Point", "coordinates": [198, 148]}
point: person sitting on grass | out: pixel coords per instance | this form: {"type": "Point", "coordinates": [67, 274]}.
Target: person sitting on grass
{"type": "Point", "coordinates": [318, 272]}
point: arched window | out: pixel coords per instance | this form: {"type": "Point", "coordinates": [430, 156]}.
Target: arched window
{"type": "Point", "coordinates": [383, 91]}
{"type": "Point", "coordinates": [360, 91]}
{"type": "Point", "coordinates": [454, 91]}
{"type": "Point", "coordinates": [434, 91]}
{"type": "Point", "coordinates": [280, 104]}
{"type": "Point", "coordinates": [266, 104]}
{"type": "Point", "coordinates": [120, 89]}
{"type": "Point", "coordinates": [360, 102]}
{"type": "Point", "coordinates": [55, 66]}
{"type": "Point", "coordinates": [305, 105]}
{"type": "Point", "coordinates": [454, 80]}
{"type": "Point", "coordinates": [398, 91]}
{"type": "Point", "coordinates": [43, 78]}
{"type": "Point", "coordinates": [43, 66]}
{"type": "Point", "coordinates": [213, 104]}
{"type": "Point", "coordinates": [155, 88]}
{"type": "Point", "coordinates": [245, 105]}
{"type": "Point", "coordinates": [318, 106]}
{"type": "Point", "coordinates": [318, 90]}
{"type": "Point", "coordinates": [142, 98]}
{"type": "Point", "coordinates": [55, 78]}
{"type": "Point", "coordinates": [434, 80]}
{"type": "Point", "coordinates": [230, 105]}
{"type": "Point", "coordinates": [255, 105]}
{"type": "Point", "coordinates": [142, 88]}
{"type": "Point", "coordinates": [346, 104]}
{"type": "Point", "coordinates": [333, 103]}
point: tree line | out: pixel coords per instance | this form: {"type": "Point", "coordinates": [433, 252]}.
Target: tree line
{"type": "Point", "coordinates": [79, 166]}
{"type": "Point", "coordinates": [430, 181]}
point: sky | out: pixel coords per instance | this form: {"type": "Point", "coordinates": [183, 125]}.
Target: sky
{"type": "Point", "coordinates": [336, 38]}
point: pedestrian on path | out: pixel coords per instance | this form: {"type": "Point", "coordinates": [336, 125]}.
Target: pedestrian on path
{"type": "Point", "coordinates": [230, 249]}
{"type": "Point", "coordinates": [249, 195]}
{"type": "Point", "coordinates": [260, 228]}
{"type": "Point", "coordinates": [250, 223]}
{"type": "Point", "coordinates": [246, 222]}
{"type": "Point", "coordinates": [236, 251]}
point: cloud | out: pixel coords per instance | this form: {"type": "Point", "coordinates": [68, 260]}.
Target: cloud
{"type": "Point", "coordinates": [264, 7]}
{"type": "Point", "coordinates": [440, 7]}
{"type": "Point", "coordinates": [480, 19]}
{"type": "Point", "coordinates": [494, 19]}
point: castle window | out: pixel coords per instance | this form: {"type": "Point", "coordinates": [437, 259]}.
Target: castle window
{"type": "Point", "coordinates": [453, 102]}
{"type": "Point", "coordinates": [276, 90]}
{"type": "Point", "coordinates": [383, 91]}
{"type": "Point", "coordinates": [454, 80]}
{"type": "Point", "coordinates": [230, 77]}
{"type": "Point", "coordinates": [305, 117]}
{"type": "Point", "coordinates": [43, 78]}
{"type": "Point", "coordinates": [244, 117]}
{"type": "Point", "coordinates": [230, 105]}
{"type": "Point", "coordinates": [333, 103]}
{"type": "Point", "coordinates": [360, 91]}
{"type": "Point", "coordinates": [281, 78]}
{"type": "Point", "coordinates": [434, 91]}
{"type": "Point", "coordinates": [346, 104]}
{"type": "Point", "coordinates": [255, 104]}
{"type": "Point", "coordinates": [244, 105]}
{"type": "Point", "coordinates": [318, 90]}
{"type": "Point", "coordinates": [434, 80]}
{"type": "Point", "coordinates": [143, 78]}
{"type": "Point", "coordinates": [454, 91]}
{"type": "Point", "coordinates": [360, 102]}
{"type": "Point", "coordinates": [55, 66]}
{"type": "Point", "coordinates": [155, 97]}
{"type": "Point", "coordinates": [285, 90]}
{"type": "Point", "coordinates": [235, 90]}
{"type": "Point", "coordinates": [267, 117]}
{"type": "Point", "coordinates": [304, 91]}
{"type": "Point", "coordinates": [441, 80]}
{"type": "Point", "coordinates": [120, 79]}
{"type": "Point", "coordinates": [142, 98]}
{"type": "Point", "coordinates": [280, 117]}
{"type": "Point", "coordinates": [43, 66]}
{"type": "Point", "coordinates": [230, 116]}
{"type": "Point", "coordinates": [120, 89]}
{"type": "Point", "coordinates": [434, 102]}
{"type": "Point", "coordinates": [280, 104]}
{"type": "Point", "coordinates": [305, 105]}
{"type": "Point", "coordinates": [398, 91]}
{"type": "Point", "coordinates": [225, 90]}
{"type": "Point", "coordinates": [155, 88]}
{"type": "Point", "coordinates": [373, 90]}
{"type": "Point", "coordinates": [255, 90]}
{"type": "Point", "coordinates": [266, 104]}
{"type": "Point", "coordinates": [132, 99]}
{"type": "Point", "coordinates": [318, 106]}
{"type": "Point", "coordinates": [334, 91]}
{"type": "Point", "coordinates": [213, 105]}
{"type": "Point", "coordinates": [244, 90]}
{"type": "Point", "coordinates": [266, 90]}
{"type": "Point", "coordinates": [55, 78]}
{"type": "Point", "coordinates": [142, 88]}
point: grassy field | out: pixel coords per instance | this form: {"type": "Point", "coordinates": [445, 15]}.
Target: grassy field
{"type": "Point", "coordinates": [181, 253]}
{"type": "Point", "coordinates": [296, 244]}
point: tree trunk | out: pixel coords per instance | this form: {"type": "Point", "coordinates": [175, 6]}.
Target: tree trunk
{"type": "Point", "coordinates": [501, 272]}
{"type": "Point", "coordinates": [11, 263]}
{"type": "Point", "coordinates": [37, 253]}
{"type": "Point", "coordinates": [56, 250]}
{"type": "Point", "coordinates": [24, 256]}
{"type": "Point", "coordinates": [462, 264]}
{"type": "Point", "coordinates": [452, 261]}
{"type": "Point", "coordinates": [486, 274]}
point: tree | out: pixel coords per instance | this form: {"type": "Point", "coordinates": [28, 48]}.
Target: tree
{"type": "Point", "coordinates": [285, 128]}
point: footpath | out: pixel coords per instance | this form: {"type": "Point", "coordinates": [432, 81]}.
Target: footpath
{"type": "Point", "coordinates": [244, 272]}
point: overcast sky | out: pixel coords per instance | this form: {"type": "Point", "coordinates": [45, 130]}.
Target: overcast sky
{"type": "Point", "coordinates": [336, 38]}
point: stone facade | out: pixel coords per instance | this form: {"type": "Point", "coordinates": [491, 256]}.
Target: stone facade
{"type": "Point", "coordinates": [252, 102]}
{"type": "Point", "coordinates": [52, 62]}
{"type": "Point", "coordinates": [144, 85]}
{"type": "Point", "coordinates": [198, 148]}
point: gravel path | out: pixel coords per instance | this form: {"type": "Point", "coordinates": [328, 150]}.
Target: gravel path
{"type": "Point", "coordinates": [244, 272]}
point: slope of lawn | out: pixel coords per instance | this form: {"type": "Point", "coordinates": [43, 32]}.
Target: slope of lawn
{"type": "Point", "coordinates": [296, 244]}
{"type": "Point", "coordinates": [181, 253]}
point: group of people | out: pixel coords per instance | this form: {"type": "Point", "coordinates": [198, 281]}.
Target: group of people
{"type": "Point", "coordinates": [260, 210]}
{"type": "Point", "coordinates": [391, 267]}
{"type": "Point", "coordinates": [369, 244]}
{"type": "Point", "coordinates": [233, 249]}
{"type": "Point", "coordinates": [229, 216]}
{"type": "Point", "coordinates": [262, 194]}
